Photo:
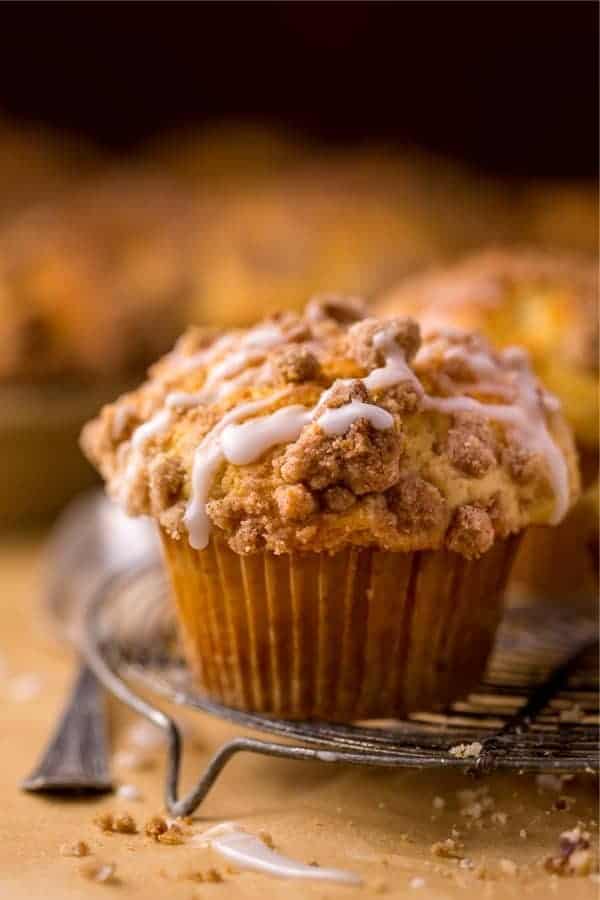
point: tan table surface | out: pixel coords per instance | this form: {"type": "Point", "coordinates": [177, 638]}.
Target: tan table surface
{"type": "Point", "coordinates": [377, 823]}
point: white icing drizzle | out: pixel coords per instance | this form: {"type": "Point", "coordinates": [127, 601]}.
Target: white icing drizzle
{"type": "Point", "coordinates": [197, 360]}
{"type": "Point", "coordinates": [396, 369]}
{"type": "Point", "coordinates": [159, 422]}
{"type": "Point", "coordinates": [338, 421]}
{"type": "Point", "coordinates": [242, 444]}
{"type": "Point", "coordinates": [208, 456]}
{"type": "Point", "coordinates": [528, 419]}
{"type": "Point", "coordinates": [182, 400]}
{"type": "Point", "coordinates": [246, 851]}
{"type": "Point", "coordinates": [477, 361]}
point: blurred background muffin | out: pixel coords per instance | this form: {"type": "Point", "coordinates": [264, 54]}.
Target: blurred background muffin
{"type": "Point", "coordinates": [38, 163]}
{"type": "Point", "coordinates": [91, 289]}
{"type": "Point", "coordinates": [547, 304]}
{"type": "Point", "coordinates": [562, 215]}
{"type": "Point", "coordinates": [223, 155]}
{"type": "Point", "coordinates": [349, 222]}
{"type": "Point", "coordinates": [544, 302]}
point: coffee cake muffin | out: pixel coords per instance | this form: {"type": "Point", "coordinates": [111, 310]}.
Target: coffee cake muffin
{"type": "Point", "coordinates": [339, 502]}
{"type": "Point", "coordinates": [91, 291]}
{"type": "Point", "coordinates": [548, 305]}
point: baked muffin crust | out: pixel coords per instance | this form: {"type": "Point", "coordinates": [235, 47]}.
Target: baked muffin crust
{"type": "Point", "coordinates": [312, 432]}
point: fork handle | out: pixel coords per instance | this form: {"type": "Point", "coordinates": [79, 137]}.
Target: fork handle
{"type": "Point", "coordinates": [76, 758]}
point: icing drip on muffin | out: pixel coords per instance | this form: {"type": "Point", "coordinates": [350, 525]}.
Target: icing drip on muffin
{"type": "Point", "coordinates": [309, 433]}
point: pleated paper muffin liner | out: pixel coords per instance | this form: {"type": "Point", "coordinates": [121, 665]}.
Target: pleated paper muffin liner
{"type": "Point", "coordinates": [359, 634]}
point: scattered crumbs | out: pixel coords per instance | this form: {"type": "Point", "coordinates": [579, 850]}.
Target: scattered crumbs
{"type": "Point", "coordinates": [128, 792]}
{"type": "Point", "coordinates": [124, 824]}
{"type": "Point", "coordinates": [449, 849]}
{"type": "Point", "coordinates": [508, 867]}
{"type": "Point", "coordinates": [381, 804]}
{"type": "Point", "coordinates": [523, 834]}
{"type": "Point", "coordinates": [133, 760]}
{"type": "Point", "coordinates": [439, 803]}
{"type": "Point", "coordinates": [99, 871]}
{"type": "Point", "coordinates": [482, 872]}
{"type": "Point", "coordinates": [574, 714]}
{"type": "Point", "coordinates": [405, 838]}
{"type": "Point", "coordinates": [213, 875]}
{"type": "Point", "coordinates": [465, 863]}
{"type": "Point", "coordinates": [474, 811]}
{"type": "Point", "coordinates": [466, 751]}
{"type": "Point", "coordinates": [172, 836]}
{"type": "Point", "coordinates": [155, 826]}
{"type": "Point", "coordinates": [546, 781]}
{"type": "Point", "coordinates": [105, 821]}
{"type": "Point", "coordinates": [455, 833]}
{"type": "Point", "coordinates": [314, 863]}
{"type": "Point", "coordinates": [79, 848]}
{"type": "Point", "coordinates": [22, 688]}
{"type": "Point", "coordinates": [266, 839]}
{"type": "Point", "coordinates": [574, 856]}
{"type": "Point", "coordinates": [416, 883]}
{"type": "Point", "coordinates": [499, 818]}
{"type": "Point", "coordinates": [475, 802]}
{"type": "Point", "coordinates": [564, 802]}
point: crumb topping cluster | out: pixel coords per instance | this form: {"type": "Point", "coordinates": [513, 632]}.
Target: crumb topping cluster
{"type": "Point", "coordinates": [311, 432]}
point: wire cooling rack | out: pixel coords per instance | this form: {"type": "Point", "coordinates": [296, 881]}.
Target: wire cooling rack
{"type": "Point", "coordinates": [537, 709]}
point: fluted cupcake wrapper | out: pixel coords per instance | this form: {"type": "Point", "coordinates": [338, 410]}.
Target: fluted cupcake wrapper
{"type": "Point", "coordinates": [359, 634]}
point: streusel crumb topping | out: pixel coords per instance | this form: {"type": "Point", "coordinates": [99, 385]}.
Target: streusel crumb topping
{"type": "Point", "coordinates": [311, 432]}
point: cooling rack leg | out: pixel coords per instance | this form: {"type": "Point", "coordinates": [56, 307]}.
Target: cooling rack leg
{"type": "Point", "coordinates": [188, 804]}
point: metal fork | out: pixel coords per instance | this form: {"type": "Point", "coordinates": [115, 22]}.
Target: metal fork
{"type": "Point", "coordinates": [91, 540]}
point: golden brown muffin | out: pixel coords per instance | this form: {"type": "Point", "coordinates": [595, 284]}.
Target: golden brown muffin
{"type": "Point", "coordinates": [339, 503]}
{"type": "Point", "coordinates": [549, 305]}
{"type": "Point", "coordinates": [91, 291]}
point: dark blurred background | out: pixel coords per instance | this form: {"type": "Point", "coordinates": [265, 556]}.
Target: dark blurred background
{"type": "Point", "coordinates": [511, 87]}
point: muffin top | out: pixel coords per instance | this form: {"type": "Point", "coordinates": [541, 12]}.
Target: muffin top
{"type": "Point", "coordinates": [93, 286]}
{"type": "Point", "coordinates": [545, 303]}
{"type": "Point", "coordinates": [311, 432]}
